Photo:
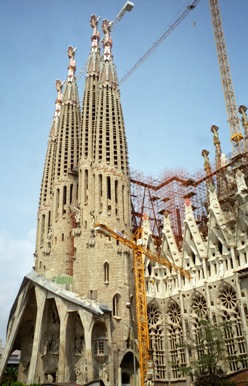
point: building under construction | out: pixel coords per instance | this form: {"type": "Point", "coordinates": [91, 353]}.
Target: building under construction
{"type": "Point", "coordinates": [127, 266]}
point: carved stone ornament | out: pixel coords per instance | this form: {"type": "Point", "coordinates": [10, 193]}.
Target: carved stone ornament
{"type": "Point", "coordinates": [76, 231]}
{"type": "Point", "coordinates": [81, 373]}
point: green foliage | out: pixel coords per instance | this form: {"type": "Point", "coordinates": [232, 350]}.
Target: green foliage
{"type": "Point", "coordinates": [212, 380]}
{"type": "Point", "coordinates": [208, 350]}
{"type": "Point", "coordinates": [9, 376]}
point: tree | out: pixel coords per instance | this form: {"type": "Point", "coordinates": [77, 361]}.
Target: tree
{"type": "Point", "coordinates": [9, 376]}
{"type": "Point", "coordinates": [208, 350]}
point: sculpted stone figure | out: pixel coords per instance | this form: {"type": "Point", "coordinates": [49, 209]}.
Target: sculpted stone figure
{"type": "Point", "coordinates": [77, 214]}
{"type": "Point", "coordinates": [48, 242]}
{"type": "Point", "coordinates": [105, 375]}
{"type": "Point", "coordinates": [240, 181]}
{"type": "Point", "coordinates": [78, 345]}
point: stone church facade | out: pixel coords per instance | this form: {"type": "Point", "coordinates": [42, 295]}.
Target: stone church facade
{"type": "Point", "coordinates": [74, 316]}
{"type": "Point", "coordinates": [217, 290]}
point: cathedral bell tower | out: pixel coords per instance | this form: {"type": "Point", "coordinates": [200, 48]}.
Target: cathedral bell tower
{"type": "Point", "coordinates": [54, 243]}
{"type": "Point", "coordinates": [102, 268]}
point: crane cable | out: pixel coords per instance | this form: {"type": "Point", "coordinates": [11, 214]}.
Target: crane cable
{"type": "Point", "coordinates": [160, 40]}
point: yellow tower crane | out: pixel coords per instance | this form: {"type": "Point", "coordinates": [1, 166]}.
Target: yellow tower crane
{"type": "Point", "coordinates": [232, 113]}
{"type": "Point", "coordinates": [140, 290]}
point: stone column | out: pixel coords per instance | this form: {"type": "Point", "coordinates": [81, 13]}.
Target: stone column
{"type": "Point", "coordinates": [62, 365]}
{"type": "Point", "coordinates": [13, 327]}
{"type": "Point", "coordinates": [40, 300]}
{"type": "Point", "coordinates": [241, 307]}
{"type": "Point", "coordinates": [87, 322]}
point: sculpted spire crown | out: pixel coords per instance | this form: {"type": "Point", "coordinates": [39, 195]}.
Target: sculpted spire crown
{"type": "Point", "coordinates": [72, 65]}
{"type": "Point", "coordinates": [107, 41]}
{"type": "Point", "coordinates": [95, 34]}
{"type": "Point", "coordinates": [207, 166]}
{"type": "Point", "coordinates": [214, 130]}
{"type": "Point", "coordinates": [58, 103]}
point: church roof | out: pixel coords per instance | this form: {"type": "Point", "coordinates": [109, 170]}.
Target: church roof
{"type": "Point", "coordinates": [56, 289]}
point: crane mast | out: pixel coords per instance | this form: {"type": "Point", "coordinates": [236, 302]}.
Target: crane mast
{"type": "Point", "coordinates": [232, 113]}
{"type": "Point", "coordinates": [140, 289]}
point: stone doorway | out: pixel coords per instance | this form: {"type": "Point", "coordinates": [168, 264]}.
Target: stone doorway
{"type": "Point", "coordinates": [129, 370]}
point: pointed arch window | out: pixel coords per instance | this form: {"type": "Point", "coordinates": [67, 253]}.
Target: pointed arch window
{"type": "Point", "coordinates": [236, 347]}
{"type": "Point", "coordinates": [175, 334]}
{"type": "Point", "coordinates": [106, 272]}
{"type": "Point", "coordinates": [198, 312]}
{"type": "Point", "coordinates": [117, 306]}
{"type": "Point", "coordinates": [157, 339]}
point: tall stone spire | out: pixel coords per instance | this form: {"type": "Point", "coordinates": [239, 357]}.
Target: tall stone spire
{"type": "Point", "coordinates": [221, 179]}
{"type": "Point", "coordinates": [101, 267]}
{"type": "Point", "coordinates": [110, 140]}
{"type": "Point", "coordinates": [90, 94]}
{"type": "Point", "coordinates": [217, 145]}
{"type": "Point", "coordinates": [43, 241]}
{"type": "Point", "coordinates": [48, 173]}
{"type": "Point", "coordinates": [54, 245]}
{"type": "Point", "coordinates": [110, 147]}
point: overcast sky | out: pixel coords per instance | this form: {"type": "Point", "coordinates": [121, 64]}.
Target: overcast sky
{"type": "Point", "coordinates": [169, 102]}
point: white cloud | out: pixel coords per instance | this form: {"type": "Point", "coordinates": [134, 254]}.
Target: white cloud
{"type": "Point", "coordinates": [16, 258]}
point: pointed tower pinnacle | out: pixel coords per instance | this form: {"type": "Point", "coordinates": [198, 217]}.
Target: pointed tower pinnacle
{"type": "Point", "coordinates": [95, 38]}
{"type": "Point", "coordinates": [54, 244]}
{"type": "Point", "coordinates": [104, 181]}
{"type": "Point", "coordinates": [218, 151]}
{"type": "Point", "coordinates": [48, 174]}
{"type": "Point", "coordinates": [44, 211]}
{"type": "Point", "coordinates": [208, 170]}
{"type": "Point", "coordinates": [221, 174]}
{"type": "Point", "coordinates": [108, 75]}
{"type": "Point", "coordinates": [72, 65]}
{"type": "Point", "coordinates": [89, 104]}
{"type": "Point", "coordinates": [207, 165]}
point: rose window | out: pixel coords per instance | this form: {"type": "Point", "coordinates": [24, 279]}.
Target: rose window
{"type": "Point", "coordinates": [199, 305]}
{"type": "Point", "coordinates": [174, 313]}
{"type": "Point", "coordinates": [228, 297]}
{"type": "Point", "coordinates": [154, 314]}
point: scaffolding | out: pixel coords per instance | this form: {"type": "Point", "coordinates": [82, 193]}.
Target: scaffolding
{"type": "Point", "coordinates": [166, 195]}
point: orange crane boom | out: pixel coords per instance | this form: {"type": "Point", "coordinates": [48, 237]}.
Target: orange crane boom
{"type": "Point", "coordinates": [140, 291]}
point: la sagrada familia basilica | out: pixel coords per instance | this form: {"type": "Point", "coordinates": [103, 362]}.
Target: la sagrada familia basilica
{"type": "Point", "coordinates": [74, 316]}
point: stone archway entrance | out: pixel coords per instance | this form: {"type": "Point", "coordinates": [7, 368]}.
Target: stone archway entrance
{"type": "Point", "coordinates": [129, 370]}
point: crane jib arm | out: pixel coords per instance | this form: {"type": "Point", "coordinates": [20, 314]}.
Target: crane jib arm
{"type": "Point", "coordinates": [104, 229]}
